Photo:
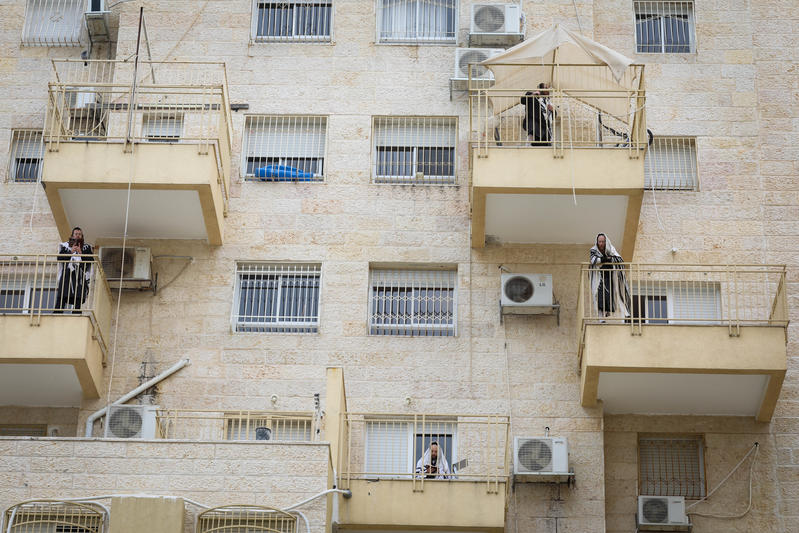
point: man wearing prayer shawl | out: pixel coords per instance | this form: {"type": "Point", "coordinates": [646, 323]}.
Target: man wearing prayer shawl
{"type": "Point", "coordinates": [608, 283]}
{"type": "Point", "coordinates": [433, 463]}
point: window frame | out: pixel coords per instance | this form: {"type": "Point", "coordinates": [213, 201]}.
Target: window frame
{"type": "Point", "coordinates": [37, 35]}
{"type": "Point", "coordinates": [659, 12]}
{"type": "Point", "coordinates": [675, 437]}
{"type": "Point", "coordinates": [29, 294]}
{"type": "Point", "coordinates": [412, 432]}
{"type": "Point", "coordinates": [174, 117]}
{"type": "Point", "coordinates": [294, 38]}
{"type": "Point", "coordinates": [415, 41]}
{"type": "Point", "coordinates": [18, 136]}
{"type": "Point", "coordinates": [688, 145]}
{"type": "Point", "coordinates": [264, 121]}
{"type": "Point", "coordinates": [670, 294]}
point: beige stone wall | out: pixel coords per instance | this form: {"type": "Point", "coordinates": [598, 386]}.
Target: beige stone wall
{"type": "Point", "coordinates": [60, 421]}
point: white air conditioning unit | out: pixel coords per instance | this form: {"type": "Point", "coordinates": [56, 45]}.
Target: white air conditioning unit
{"type": "Point", "coordinates": [78, 98]}
{"type": "Point", "coordinates": [542, 459]}
{"type": "Point", "coordinates": [662, 513]}
{"type": "Point", "coordinates": [466, 56]}
{"type": "Point", "coordinates": [131, 421]}
{"type": "Point", "coordinates": [496, 18]}
{"type": "Point", "coordinates": [527, 293]}
{"type": "Point", "coordinates": [136, 263]}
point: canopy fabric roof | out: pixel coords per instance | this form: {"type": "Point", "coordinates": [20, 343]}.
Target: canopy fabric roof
{"type": "Point", "coordinates": [580, 67]}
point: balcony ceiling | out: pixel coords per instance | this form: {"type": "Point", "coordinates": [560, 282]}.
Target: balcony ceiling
{"type": "Point", "coordinates": [39, 385]}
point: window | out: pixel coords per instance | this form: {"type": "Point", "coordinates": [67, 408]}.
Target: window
{"type": "Point", "coordinates": [415, 150]}
{"type": "Point", "coordinates": [416, 21]}
{"type": "Point", "coordinates": [277, 298]}
{"type": "Point", "coordinates": [664, 27]}
{"type": "Point", "coordinates": [671, 466]}
{"type": "Point", "coordinates": [285, 148]}
{"type": "Point", "coordinates": [256, 426]}
{"type": "Point", "coordinates": [21, 297]}
{"type": "Point", "coordinates": [300, 20]}
{"type": "Point", "coordinates": [393, 447]}
{"type": "Point", "coordinates": [682, 302]}
{"type": "Point", "coordinates": [671, 164]}
{"type": "Point", "coordinates": [412, 302]}
{"type": "Point", "coordinates": [27, 151]}
{"type": "Point", "coordinates": [23, 430]}
{"type": "Point", "coordinates": [162, 127]}
{"type": "Point", "coordinates": [53, 22]}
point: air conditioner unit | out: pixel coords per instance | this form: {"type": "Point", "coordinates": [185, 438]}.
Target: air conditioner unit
{"type": "Point", "coordinates": [137, 265]}
{"type": "Point", "coordinates": [80, 98]}
{"type": "Point", "coordinates": [543, 459]}
{"type": "Point", "coordinates": [466, 56]}
{"type": "Point", "coordinates": [662, 513]}
{"type": "Point", "coordinates": [496, 18]}
{"type": "Point", "coordinates": [131, 421]}
{"type": "Point", "coordinates": [527, 293]}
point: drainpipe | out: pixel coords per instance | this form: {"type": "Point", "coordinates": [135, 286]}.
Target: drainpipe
{"type": "Point", "coordinates": [135, 392]}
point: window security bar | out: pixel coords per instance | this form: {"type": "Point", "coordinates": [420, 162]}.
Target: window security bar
{"type": "Point", "coordinates": [243, 518]}
{"type": "Point", "coordinates": [287, 148]}
{"type": "Point", "coordinates": [664, 27]}
{"type": "Point", "coordinates": [670, 164]}
{"type": "Point", "coordinates": [53, 22]}
{"type": "Point", "coordinates": [415, 150]}
{"type": "Point", "coordinates": [298, 20]}
{"type": "Point", "coordinates": [671, 467]}
{"type": "Point", "coordinates": [416, 21]}
{"type": "Point", "coordinates": [27, 151]}
{"type": "Point", "coordinates": [51, 515]}
{"type": "Point", "coordinates": [277, 298]}
{"type": "Point", "coordinates": [413, 302]}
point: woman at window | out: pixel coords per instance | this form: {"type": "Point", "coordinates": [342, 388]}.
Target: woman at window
{"type": "Point", "coordinates": [74, 271]}
{"type": "Point", "coordinates": [608, 283]}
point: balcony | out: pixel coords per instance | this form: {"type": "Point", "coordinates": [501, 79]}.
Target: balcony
{"type": "Point", "coordinates": [379, 456]}
{"type": "Point", "coordinates": [150, 157]}
{"type": "Point", "coordinates": [52, 353]}
{"type": "Point", "coordinates": [692, 340]}
{"type": "Point", "coordinates": [585, 158]}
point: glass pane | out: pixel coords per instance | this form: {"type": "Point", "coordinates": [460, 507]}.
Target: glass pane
{"type": "Point", "coordinates": [434, 306]}
{"type": "Point", "coordinates": [313, 20]}
{"type": "Point", "coordinates": [12, 301]}
{"type": "Point", "coordinates": [26, 170]}
{"type": "Point", "coordinates": [398, 20]}
{"type": "Point", "coordinates": [299, 299]}
{"type": "Point", "coordinates": [676, 29]}
{"type": "Point", "coordinates": [436, 19]}
{"type": "Point", "coordinates": [395, 161]}
{"type": "Point", "coordinates": [258, 301]}
{"type": "Point", "coordinates": [275, 20]}
{"type": "Point", "coordinates": [647, 34]}
{"type": "Point", "coordinates": [436, 161]}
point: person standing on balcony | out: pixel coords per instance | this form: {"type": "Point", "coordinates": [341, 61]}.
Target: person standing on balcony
{"type": "Point", "coordinates": [538, 112]}
{"type": "Point", "coordinates": [608, 283]}
{"type": "Point", "coordinates": [74, 271]}
{"type": "Point", "coordinates": [433, 463]}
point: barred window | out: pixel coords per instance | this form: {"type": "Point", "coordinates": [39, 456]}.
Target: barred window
{"type": "Point", "coordinates": [671, 466]}
{"type": "Point", "coordinates": [677, 302]}
{"type": "Point", "coordinates": [27, 150]}
{"type": "Point", "coordinates": [664, 27]}
{"type": "Point", "coordinates": [415, 150]}
{"type": "Point", "coordinates": [285, 148]}
{"type": "Point", "coordinates": [416, 21]}
{"type": "Point", "coordinates": [671, 164]}
{"type": "Point", "coordinates": [298, 20]}
{"type": "Point", "coordinates": [53, 22]}
{"type": "Point", "coordinates": [412, 302]}
{"type": "Point", "coordinates": [277, 298]}
{"type": "Point", "coordinates": [267, 426]}
{"type": "Point", "coordinates": [393, 447]}
{"type": "Point", "coordinates": [162, 127]}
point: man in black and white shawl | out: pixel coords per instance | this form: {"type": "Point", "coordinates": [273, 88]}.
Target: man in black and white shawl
{"type": "Point", "coordinates": [74, 271]}
{"type": "Point", "coordinates": [608, 283]}
{"type": "Point", "coordinates": [433, 463]}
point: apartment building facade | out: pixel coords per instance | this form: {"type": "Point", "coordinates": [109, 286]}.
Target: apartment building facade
{"type": "Point", "coordinates": [326, 240]}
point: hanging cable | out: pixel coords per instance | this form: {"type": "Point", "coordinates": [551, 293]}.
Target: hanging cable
{"type": "Point", "coordinates": [755, 448]}
{"type": "Point", "coordinates": [577, 16]}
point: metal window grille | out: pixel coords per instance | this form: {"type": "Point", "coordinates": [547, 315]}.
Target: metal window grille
{"type": "Point", "coordinates": [53, 22]}
{"type": "Point", "coordinates": [394, 447]}
{"type": "Point", "coordinates": [415, 150]}
{"type": "Point", "coordinates": [300, 20]}
{"type": "Point", "coordinates": [677, 302]}
{"type": "Point", "coordinates": [671, 164]}
{"type": "Point", "coordinates": [671, 466]}
{"type": "Point", "coordinates": [412, 302]}
{"type": "Point", "coordinates": [27, 151]}
{"type": "Point", "coordinates": [664, 27]}
{"type": "Point", "coordinates": [54, 516]}
{"type": "Point", "coordinates": [285, 148]}
{"type": "Point", "coordinates": [416, 21]}
{"type": "Point", "coordinates": [277, 298]}
{"type": "Point", "coordinates": [245, 519]}
{"type": "Point", "coordinates": [23, 430]}
{"type": "Point", "coordinates": [256, 426]}
{"type": "Point", "coordinates": [162, 126]}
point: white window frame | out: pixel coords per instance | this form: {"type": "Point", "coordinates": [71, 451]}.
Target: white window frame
{"type": "Point", "coordinates": [700, 441]}
{"type": "Point", "coordinates": [661, 9]}
{"type": "Point", "coordinates": [292, 327]}
{"type": "Point", "coordinates": [662, 154]}
{"type": "Point", "coordinates": [286, 129]}
{"type": "Point", "coordinates": [28, 289]}
{"type": "Point", "coordinates": [415, 40]}
{"type": "Point", "coordinates": [672, 292]}
{"type": "Point", "coordinates": [62, 28]}
{"type": "Point", "coordinates": [295, 37]}
{"type": "Point", "coordinates": [24, 140]}
{"type": "Point", "coordinates": [410, 438]}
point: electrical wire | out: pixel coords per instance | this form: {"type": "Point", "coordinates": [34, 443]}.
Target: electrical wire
{"type": "Point", "coordinates": [755, 448]}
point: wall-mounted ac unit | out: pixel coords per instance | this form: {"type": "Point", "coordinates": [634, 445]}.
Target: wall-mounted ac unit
{"type": "Point", "coordinates": [80, 98]}
{"type": "Point", "coordinates": [527, 293]}
{"type": "Point", "coordinates": [131, 421]}
{"type": "Point", "coordinates": [662, 513]}
{"type": "Point", "coordinates": [137, 266]}
{"type": "Point", "coordinates": [540, 459]}
{"type": "Point", "coordinates": [496, 18]}
{"type": "Point", "coordinates": [466, 56]}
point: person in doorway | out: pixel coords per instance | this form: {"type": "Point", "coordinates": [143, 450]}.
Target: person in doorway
{"type": "Point", "coordinates": [74, 271]}
{"type": "Point", "coordinates": [538, 111]}
{"type": "Point", "coordinates": [433, 463]}
{"type": "Point", "coordinates": [608, 282]}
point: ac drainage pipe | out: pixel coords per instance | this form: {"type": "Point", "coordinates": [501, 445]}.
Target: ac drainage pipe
{"type": "Point", "coordinates": [135, 392]}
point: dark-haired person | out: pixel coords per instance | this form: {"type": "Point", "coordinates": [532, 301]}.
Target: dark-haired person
{"type": "Point", "coordinates": [538, 112]}
{"type": "Point", "coordinates": [74, 271]}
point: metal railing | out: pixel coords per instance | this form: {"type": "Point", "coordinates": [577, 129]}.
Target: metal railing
{"type": "Point", "coordinates": [670, 164]}
{"type": "Point", "coordinates": [231, 425]}
{"type": "Point", "coordinates": [36, 516]}
{"type": "Point", "coordinates": [172, 102]}
{"type": "Point", "coordinates": [239, 518]}
{"type": "Point", "coordinates": [583, 106]}
{"type": "Point", "coordinates": [37, 285]}
{"type": "Point", "coordinates": [640, 295]}
{"type": "Point", "coordinates": [397, 446]}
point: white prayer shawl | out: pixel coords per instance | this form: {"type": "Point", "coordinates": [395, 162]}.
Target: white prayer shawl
{"type": "Point", "coordinates": [441, 463]}
{"type": "Point", "coordinates": [621, 291]}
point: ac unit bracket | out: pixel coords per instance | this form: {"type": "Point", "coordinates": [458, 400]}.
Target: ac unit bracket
{"type": "Point", "coordinates": [532, 311]}
{"type": "Point", "coordinates": [569, 479]}
{"type": "Point", "coordinates": [663, 527]}
{"type": "Point", "coordinates": [477, 40]}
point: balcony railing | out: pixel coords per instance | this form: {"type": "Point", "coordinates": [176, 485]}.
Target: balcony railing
{"type": "Point", "coordinates": [395, 446]}
{"type": "Point", "coordinates": [233, 518]}
{"type": "Point", "coordinates": [36, 285]}
{"type": "Point", "coordinates": [53, 515]}
{"type": "Point", "coordinates": [237, 425]}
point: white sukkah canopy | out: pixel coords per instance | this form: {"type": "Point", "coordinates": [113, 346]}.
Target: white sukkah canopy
{"type": "Point", "coordinates": [567, 61]}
